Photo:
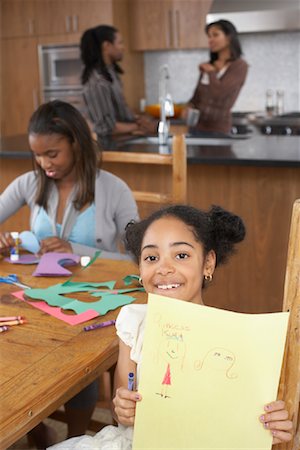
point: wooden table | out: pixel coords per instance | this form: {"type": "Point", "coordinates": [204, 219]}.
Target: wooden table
{"type": "Point", "coordinates": [46, 361]}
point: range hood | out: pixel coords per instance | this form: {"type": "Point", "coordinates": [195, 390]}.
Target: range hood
{"type": "Point", "coordinates": [251, 16]}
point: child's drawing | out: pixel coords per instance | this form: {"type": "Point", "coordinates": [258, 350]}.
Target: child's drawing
{"type": "Point", "coordinates": [218, 359]}
{"type": "Point", "coordinates": [172, 351]}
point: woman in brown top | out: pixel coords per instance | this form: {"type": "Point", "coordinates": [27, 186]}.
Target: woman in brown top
{"type": "Point", "coordinates": [220, 79]}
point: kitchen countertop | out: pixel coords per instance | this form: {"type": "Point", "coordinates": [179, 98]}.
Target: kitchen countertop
{"type": "Point", "coordinates": [257, 150]}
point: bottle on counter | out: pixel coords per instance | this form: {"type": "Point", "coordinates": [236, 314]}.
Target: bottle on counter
{"type": "Point", "coordinates": [269, 102]}
{"type": "Point", "coordinates": [279, 102]}
{"type": "Point", "coordinates": [14, 251]}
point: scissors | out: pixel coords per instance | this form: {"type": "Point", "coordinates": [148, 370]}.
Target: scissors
{"type": "Point", "coordinates": [13, 279]}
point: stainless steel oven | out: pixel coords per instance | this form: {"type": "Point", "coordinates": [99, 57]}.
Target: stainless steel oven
{"type": "Point", "coordinates": [60, 66]}
{"type": "Point", "coordinates": [60, 74]}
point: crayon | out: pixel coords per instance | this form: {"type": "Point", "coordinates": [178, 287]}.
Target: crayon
{"type": "Point", "coordinates": [14, 322]}
{"type": "Point", "coordinates": [131, 381]}
{"type": "Point", "coordinates": [4, 328]}
{"type": "Point", "coordinates": [99, 325]}
{"type": "Point", "coordinates": [4, 319]}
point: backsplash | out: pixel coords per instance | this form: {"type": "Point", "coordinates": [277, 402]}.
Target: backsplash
{"type": "Point", "coordinates": [274, 63]}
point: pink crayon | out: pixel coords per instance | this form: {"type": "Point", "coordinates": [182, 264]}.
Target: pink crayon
{"type": "Point", "coordinates": [5, 319]}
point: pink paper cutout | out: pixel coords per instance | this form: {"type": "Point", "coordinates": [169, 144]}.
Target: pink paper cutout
{"type": "Point", "coordinates": [55, 311]}
{"type": "Point", "coordinates": [50, 264]}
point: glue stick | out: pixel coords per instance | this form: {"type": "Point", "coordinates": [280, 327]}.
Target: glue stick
{"type": "Point", "coordinates": [14, 251]}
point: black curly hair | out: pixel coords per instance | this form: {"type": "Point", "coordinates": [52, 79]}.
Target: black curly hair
{"type": "Point", "coordinates": [217, 229]}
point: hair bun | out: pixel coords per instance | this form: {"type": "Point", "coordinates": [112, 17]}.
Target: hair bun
{"type": "Point", "coordinates": [227, 229]}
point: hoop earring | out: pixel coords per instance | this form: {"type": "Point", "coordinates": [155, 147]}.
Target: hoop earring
{"type": "Point", "coordinates": [208, 278]}
{"type": "Point", "coordinates": [141, 281]}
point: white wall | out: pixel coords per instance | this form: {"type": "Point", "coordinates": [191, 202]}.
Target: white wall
{"type": "Point", "coordinates": [274, 63]}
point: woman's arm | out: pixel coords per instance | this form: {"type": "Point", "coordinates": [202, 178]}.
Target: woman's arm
{"type": "Point", "coordinates": [230, 83]}
{"type": "Point", "coordinates": [124, 400]}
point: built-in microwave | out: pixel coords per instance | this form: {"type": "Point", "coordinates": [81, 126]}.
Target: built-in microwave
{"type": "Point", "coordinates": [60, 66]}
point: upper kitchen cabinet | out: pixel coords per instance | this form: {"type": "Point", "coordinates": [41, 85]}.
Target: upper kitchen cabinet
{"type": "Point", "coordinates": [71, 16]}
{"type": "Point", "coordinates": [23, 18]}
{"type": "Point", "coordinates": [168, 24]}
{"type": "Point", "coordinates": [17, 18]}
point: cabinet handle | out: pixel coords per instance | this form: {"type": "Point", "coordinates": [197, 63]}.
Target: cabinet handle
{"type": "Point", "coordinates": [170, 31]}
{"type": "Point", "coordinates": [177, 28]}
{"type": "Point", "coordinates": [31, 26]}
{"type": "Point", "coordinates": [68, 23]}
{"type": "Point", "coordinates": [35, 99]}
{"type": "Point", "coordinates": [75, 23]}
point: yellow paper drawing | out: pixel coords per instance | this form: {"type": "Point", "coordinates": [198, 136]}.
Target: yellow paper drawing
{"type": "Point", "coordinates": [206, 374]}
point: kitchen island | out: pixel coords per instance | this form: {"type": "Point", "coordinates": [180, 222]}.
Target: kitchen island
{"type": "Point", "coordinates": [258, 178]}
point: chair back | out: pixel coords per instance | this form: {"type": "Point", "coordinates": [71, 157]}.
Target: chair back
{"type": "Point", "coordinates": [289, 387]}
{"type": "Point", "coordinates": [176, 161]}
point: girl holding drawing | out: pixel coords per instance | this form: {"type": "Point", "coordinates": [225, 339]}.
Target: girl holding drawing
{"type": "Point", "coordinates": [178, 249]}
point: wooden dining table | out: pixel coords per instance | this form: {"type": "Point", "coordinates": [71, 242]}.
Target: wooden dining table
{"type": "Point", "coordinates": [46, 361]}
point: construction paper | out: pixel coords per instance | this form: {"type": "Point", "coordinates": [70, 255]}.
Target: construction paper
{"type": "Point", "coordinates": [206, 375]}
{"type": "Point", "coordinates": [29, 242]}
{"type": "Point", "coordinates": [117, 291]}
{"type": "Point", "coordinates": [107, 303]}
{"type": "Point", "coordinates": [51, 264]}
{"type": "Point", "coordinates": [55, 311]}
{"type": "Point", "coordinates": [24, 259]}
{"type": "Point", "coordinates": [129, 279]}
{"type": "Point", "coordinates": [54, 295]}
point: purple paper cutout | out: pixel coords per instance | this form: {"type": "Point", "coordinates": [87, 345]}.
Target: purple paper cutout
{"type": "Point", "coordinates": [24, 259]}
{"type": "Point", "coordinates": [50, 264]}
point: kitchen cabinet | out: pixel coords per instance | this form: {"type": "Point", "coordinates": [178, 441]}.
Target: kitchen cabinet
{"type": "Point", "coordinates": [168, 24]}
{"type": "Point", "coordinates": [69, 17]}
{"type": "Point", "coordinates": [17, 18]}
{"type": "Point", "coordinates": [19, 84]}
{"type": "Point", "coordinates": [22, 18]}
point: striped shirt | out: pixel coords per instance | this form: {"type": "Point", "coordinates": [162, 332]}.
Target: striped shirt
{"type": "Point", "coordinates": [105, 102]}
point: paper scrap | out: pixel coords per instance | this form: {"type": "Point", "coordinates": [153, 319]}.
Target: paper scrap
{"type": "Point", "coordinates": [51, 264]}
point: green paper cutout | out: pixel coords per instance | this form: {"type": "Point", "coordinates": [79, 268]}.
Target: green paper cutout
{"type": "Point", "coordinates": [96, 255]}
{"type": "Point", "coordinates": [117, 291]}
{"type": "Point", "coordinates": [54, 295]}
{"type": "Point", "coordinates": [130, 278]}
{"type": "Point", "coordinates": [110, 298]}
{"type": "Point", "coordinates": [108, 303]}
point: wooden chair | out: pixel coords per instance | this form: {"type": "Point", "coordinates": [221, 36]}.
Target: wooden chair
{"type": "Point", "coordinates": [114, 161]}
{"type": "Point", "coordinates": [289, 388]}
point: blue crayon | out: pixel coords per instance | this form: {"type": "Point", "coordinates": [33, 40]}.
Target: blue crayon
{"type": "Point", "coordinates": [131, 381]}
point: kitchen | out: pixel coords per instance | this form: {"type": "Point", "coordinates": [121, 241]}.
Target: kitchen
{"type": "Point", "coordinates": [257, 177]}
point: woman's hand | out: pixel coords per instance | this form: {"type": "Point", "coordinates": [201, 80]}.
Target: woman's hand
{"type": "Point", "coordinates": [125, 402]}
{"type": "Point", "coordinates": [276, 420]}
{"type": "Point", "coordinates": [6, 242]}
{"type": "Point", "coordinates": [55, 244]}
{"type": "Point", "coordinates": [207, 67]}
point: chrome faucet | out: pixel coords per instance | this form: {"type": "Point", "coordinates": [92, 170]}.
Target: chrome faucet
{"type": "Point", "coordinates": [166, 105]}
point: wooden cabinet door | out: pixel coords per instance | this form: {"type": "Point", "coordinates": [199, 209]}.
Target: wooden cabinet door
{"type": "Point", "coordinates": [189, 20]}
{"type": "Point", "coordinates": [90, 13]}
{"type": "Point", "coordinates": [150, 24]}
{"type": "Point", "coordinates": [17, 18]}
{"type": "Point", "coordinates": [168, 24]}
{"type": "Point", "coordinates": [54, 17]}
{"type": "Point", "coordinates": [19, 84]}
